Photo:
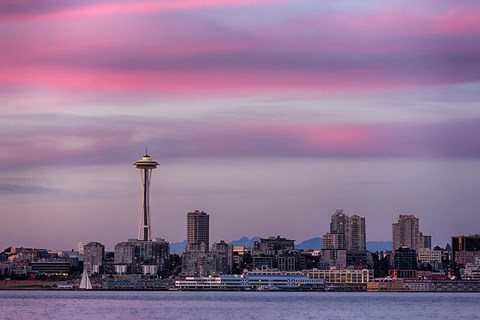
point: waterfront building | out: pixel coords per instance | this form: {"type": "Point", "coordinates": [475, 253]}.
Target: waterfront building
{"type": "Point", "coordinates": [146, 165]}
{"type": "Point", "coordinates": [472, 270]}
{"type": "Point", "coordinates": [465, 249]}
{"type": "Point", "coordinates": [405, 232]}
{"type": "Point", "coordinates": [385, 285]}
{"type": "Point", "coordinates": [93, 254]}
{"type": "Point", "coordinates": [341, 276]}
{"type": "Point", "coordinates": [19, 269]}
{"type": "Point", "coordinates": [251, 280]}
{"type": "Point", "coordinates": [198, 228]}
{"type": "Point", "coordinates": [441, 285]}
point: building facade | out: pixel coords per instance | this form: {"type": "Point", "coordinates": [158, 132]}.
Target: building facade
{"type": "Point", "coordinates": [405, 232]}
{"type": "Point", "coordinates": [355, 233]}
{"type": "Point", "coordinates": [198, 228]}
{"type": "Point", "coordinates": [465, 249]}
{"type": "Point", "coordinates": [135, 254]}
{"type": "Point", "coordinates": [93, 256]}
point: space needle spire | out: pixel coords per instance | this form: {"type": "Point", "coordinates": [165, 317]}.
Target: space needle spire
{"type": "Point", "coordinates": [146, 165]}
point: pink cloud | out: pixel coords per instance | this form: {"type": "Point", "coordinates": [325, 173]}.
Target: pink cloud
{"type": "Point", "coordinates": [84, 9]}
{"type": "Point", "coordinates": [113, 139]}
{"type": "Point", "coordinates": [323, 52]}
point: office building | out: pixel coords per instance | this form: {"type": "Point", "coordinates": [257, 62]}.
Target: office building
{"type": "Point", "coordinates": [405, 259]}
{"type": "Point", "coordinates": [346, 232]}
{"type": "Point", "coordinates": [355, 233]}
{"type": "Point", "coordinates": [135, 254]}
{"type": "Point", "coordinates": [405, 233]}
{"type": "Point", "coordinates": [93, 255]}
{"type": "Point", "coordinates": [465, 249]}
{"type": "Point", "coordinates": [198, 228]}
{"type": "Point", "coordinates": [337, 222]}
{"type": "Point", "coordinates": [223, 253]}
{"type": "Point", "coordinates": [273, 246]}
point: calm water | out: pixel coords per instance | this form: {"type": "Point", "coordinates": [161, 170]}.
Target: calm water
{"type": "Point", "coordinates": [41, 305]}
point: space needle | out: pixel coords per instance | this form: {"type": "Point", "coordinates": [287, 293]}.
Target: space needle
{"type": "Point", "coordinates": [146, 165]}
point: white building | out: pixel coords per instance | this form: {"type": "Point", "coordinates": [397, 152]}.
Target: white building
{"type": "Point", "coordinates": [250, 280]}
{"type": "Point", "coordinates": [149, 269]}
{"type": "Point", "coordinates": [121, 268]}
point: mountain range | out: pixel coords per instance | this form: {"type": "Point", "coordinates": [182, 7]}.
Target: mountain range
{"type": "Point", "coordinates": [313, 243]}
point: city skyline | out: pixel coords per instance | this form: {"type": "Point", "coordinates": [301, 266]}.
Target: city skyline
{"type": "Point", "coordinates": [267, 115]}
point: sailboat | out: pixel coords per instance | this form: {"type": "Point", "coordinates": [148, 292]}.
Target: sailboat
{"type": "Point", "coordinates": [85, 282]}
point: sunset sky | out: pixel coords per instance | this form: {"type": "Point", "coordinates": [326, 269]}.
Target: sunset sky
{"type": "Point", "coordinates": [268, 115]}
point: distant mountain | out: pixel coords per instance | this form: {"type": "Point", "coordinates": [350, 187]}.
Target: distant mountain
{"type": "Point", "coordinates": [245, 242]}
{"type": "Point", "coordinates": [374, 246]}
{"type": "Point", "coordinates": [178, 247]}
{"type": "Point", "coordinates": [314, 243]}
{"type": "Point", "coordinates": [317, 243]}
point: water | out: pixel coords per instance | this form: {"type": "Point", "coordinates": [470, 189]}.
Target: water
{"type": "Point", "coordinates": [73, 305]}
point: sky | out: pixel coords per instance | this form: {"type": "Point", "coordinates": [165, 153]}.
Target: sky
{"type": "Point", "coordinates": [268, 115]}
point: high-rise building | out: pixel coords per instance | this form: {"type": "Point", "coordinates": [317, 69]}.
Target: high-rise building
{"type": "Point", "coordinates": [135, 254]}
{"type": "Point", "coordinates": [355, 233]}
{"type": "Point", "coordinates": [198, 228]}
{"type": "Point", "coordinates": [337, 222]}
{"type": "Point", "coordinates": [223, 253]}
{"type": "Point", "coordinates": [405, 233]}
{"type": "Point", "coordinates": [93, 254]}
{"type": "Point", "coordinates": [146, 165]}
{"type": "Point", "coordinates": [345, 232]}
{"type": "Point", "coordinates": [335, 239]}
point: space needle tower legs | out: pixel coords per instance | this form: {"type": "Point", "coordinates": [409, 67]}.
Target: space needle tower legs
{"type": "Point", "coordinates": [146, 165]}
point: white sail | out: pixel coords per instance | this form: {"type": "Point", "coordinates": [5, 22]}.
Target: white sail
{"type": "Point", "coordinates": [85, 282]}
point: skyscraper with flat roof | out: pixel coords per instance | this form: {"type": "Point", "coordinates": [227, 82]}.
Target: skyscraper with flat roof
{"type": "Point", "coordinates": [355, 234]}
{"type": "Point", "coordinates": [198, 228]}
{"type": "Point", "coordinates": [405, 232]}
